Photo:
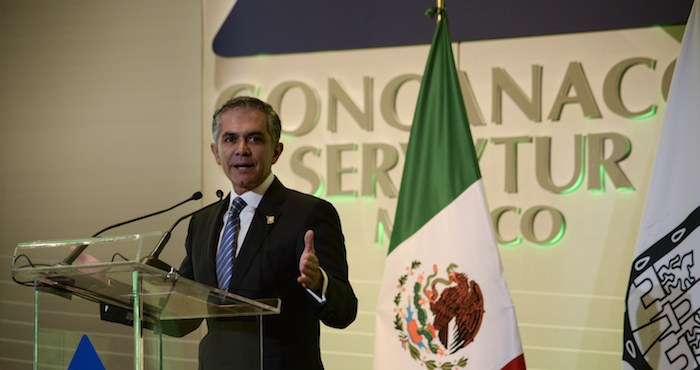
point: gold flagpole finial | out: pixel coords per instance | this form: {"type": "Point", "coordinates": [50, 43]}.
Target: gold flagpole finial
{"type": "Point", "coordinates": [440, 7]}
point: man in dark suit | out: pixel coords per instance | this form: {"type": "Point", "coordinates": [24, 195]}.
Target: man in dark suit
{"type": "Point", "coordinates": [282, 244]}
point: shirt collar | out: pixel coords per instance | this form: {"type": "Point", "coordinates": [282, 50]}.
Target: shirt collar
{"type": "Point", "coordinates": [254, 196]}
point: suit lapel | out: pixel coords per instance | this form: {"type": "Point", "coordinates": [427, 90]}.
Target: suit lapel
{"type": "Point", "coordinates": [263, 222]}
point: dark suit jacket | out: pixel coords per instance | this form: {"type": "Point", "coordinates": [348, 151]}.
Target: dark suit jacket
{"type": "Point", "coordinates": [267, 267]}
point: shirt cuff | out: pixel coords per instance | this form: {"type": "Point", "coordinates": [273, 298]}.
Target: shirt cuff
{"type": "Point", "coordinates": [322, 298]}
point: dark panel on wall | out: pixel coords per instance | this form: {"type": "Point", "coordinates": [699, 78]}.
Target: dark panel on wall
{"type": "Point", "coordinates": [283, 26]}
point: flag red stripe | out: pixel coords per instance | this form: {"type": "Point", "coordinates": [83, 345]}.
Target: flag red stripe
{"type": "Point", "coordinates": [517, 363]}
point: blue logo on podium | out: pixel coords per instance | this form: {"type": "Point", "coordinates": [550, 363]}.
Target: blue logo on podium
{"type": "Point", "coordinates": [85, 357]}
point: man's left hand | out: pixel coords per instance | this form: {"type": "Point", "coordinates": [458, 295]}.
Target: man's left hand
{"type": "Point", "coordinates": [309, 269]}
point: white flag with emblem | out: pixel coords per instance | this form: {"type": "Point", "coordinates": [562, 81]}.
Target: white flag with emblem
{"type": "Point", "coordinates": [662, 317]}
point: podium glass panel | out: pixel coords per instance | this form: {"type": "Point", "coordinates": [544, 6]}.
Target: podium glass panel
{"type": "Point", "coordinates": [109, 273]}
{"type": "Point", "coordinates": [68, 331]}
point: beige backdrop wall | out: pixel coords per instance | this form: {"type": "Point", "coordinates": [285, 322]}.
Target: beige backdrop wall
{"type": "Point", "coordinates": [100, 106]}
{"type": "Point", "coordinates": [346, 116]}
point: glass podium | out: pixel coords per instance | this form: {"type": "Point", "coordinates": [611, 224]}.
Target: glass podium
{"type": "Point", "coordinates": [76, 282]}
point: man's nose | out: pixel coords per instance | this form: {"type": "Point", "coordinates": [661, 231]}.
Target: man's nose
{"type": "Point", "coordinates": [241, 148]}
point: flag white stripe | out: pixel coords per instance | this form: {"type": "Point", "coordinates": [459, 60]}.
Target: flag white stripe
{"type": "Point", "coordinates": [461, 233]}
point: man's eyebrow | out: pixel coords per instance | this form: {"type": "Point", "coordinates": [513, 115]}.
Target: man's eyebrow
{"type": "Point", "coordinates": [243, 133]}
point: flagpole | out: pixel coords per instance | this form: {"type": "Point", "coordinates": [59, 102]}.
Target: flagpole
{"type": "Point", "coordinates": [440, 6]}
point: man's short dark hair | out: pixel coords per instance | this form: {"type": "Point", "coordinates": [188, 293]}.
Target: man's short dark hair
{"type": "Point", "coordinates": [274, 125]}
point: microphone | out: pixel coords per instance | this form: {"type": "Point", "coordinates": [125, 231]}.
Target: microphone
{"type": "Point", "coordinates": [152, 259]}
{"type": "Point", "coordinates": [80, 249]}
{"type": "Point", "coordinates": [195, 196]}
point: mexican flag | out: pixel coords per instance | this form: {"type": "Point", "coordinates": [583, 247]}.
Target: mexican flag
{"type": "Point", "coordinates": [443, 303]}
{"type": "Point", "coordinates": [662, 316]}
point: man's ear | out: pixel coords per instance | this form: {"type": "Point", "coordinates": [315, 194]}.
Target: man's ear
{"type": "Point", "coordinates": [215, 151]}
{"type": "Point", "coordinates": [279, 147]}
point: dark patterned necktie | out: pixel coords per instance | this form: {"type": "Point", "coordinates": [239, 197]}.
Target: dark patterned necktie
{"type": "Point", "coordinates": [229, 241]}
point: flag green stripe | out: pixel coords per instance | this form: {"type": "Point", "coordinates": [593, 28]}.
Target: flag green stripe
{"type": "Point", "coordinates": [440, 160]}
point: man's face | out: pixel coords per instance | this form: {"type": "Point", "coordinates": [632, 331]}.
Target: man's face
{"type": "Point", "coordinates": [245, 149]}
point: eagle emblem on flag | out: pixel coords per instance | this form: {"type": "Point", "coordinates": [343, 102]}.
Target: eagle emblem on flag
{"type": "Point", "coordinates": [437, 313]}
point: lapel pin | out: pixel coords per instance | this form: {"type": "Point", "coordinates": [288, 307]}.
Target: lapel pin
{"type": "Point", "coordinates": [270, 220]}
